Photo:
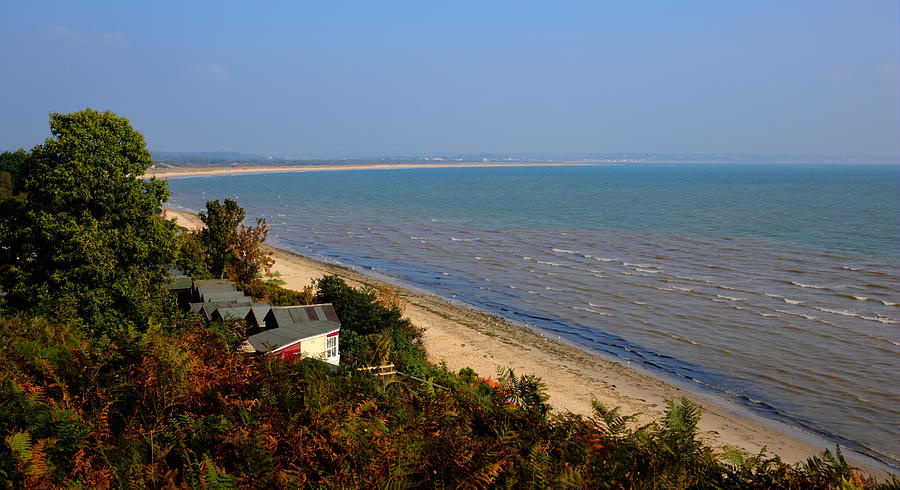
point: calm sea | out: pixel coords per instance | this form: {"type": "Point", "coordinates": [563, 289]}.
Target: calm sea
{"type": "Point", "coordinates": [775, 284]}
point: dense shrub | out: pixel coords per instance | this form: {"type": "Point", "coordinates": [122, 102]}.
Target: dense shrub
{"type": "Point", "coordinates": [269, 292]}
{"type": "Point", "coordinates": [374, 331]}
{"type": "Point", "coordinates": [177, 405]}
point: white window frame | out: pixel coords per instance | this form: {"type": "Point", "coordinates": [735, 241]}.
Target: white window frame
{"type": "Point", "coordinates": [331, 346]}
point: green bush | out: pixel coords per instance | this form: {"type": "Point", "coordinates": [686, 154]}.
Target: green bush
{"type": "Point", "coordinates": [362, 315]}
{"type": "Point", "coordinates": [270, 292]}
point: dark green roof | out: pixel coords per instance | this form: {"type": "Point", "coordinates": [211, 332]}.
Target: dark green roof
{"type": "Point", "coordinates": [210, 282]}
{"type": "Point", "coordinates": [220, 296]}
{"type": "Point", "coordinates": [180, 282]}
{"type": "Point", "coordinates": [209, 309]}
{"type": "Point", "coordinates": [238, 312]}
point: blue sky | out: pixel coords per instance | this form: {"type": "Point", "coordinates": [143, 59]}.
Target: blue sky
{"type": "Point", "coordinates": [375, 78]}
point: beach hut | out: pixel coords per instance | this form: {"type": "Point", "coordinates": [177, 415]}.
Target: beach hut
{"type": "Point", "coordinates": [293, 331]}
{"type": "Point", "coordinates": [219, 299]}
{"type": "Point", "coordinates": [206, 286]}
{"type": "Point", "coordinates": [180, 286]}
{"type": "Point", "coordinates": [252, 313]}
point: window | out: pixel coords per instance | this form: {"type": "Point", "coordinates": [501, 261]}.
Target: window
{"type": "Point", "coordinates": [331, 347]}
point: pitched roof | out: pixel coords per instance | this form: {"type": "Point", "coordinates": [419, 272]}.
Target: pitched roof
{"type": "Point", "coordinates": [211, 282]}
{"type": "Point", "coordinates": [180, 282]}
{"type": "Point", "coordinates": [223, 312]}
{"type": "Point", "coordinates": [295, 323]}
{"type": "Point", "coordinates": [201, 288]}
{"type": "Point", "coordinates": [260, 310]}
{"type": "Point", "coordinates": [220, 296]}
{"type": "Point", "coordinates": [288, 315]}
{"type": "Point", "coordinates": [239, 309]}
{"type": "Point", "coordinates": [208, 310]}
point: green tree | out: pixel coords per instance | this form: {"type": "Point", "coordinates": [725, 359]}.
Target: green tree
{"type": "Point", "coordinates": [247, 256]}
{"type": "Point", "coordinates": [192, 259]}
{"type": "Point", "coordinates": [87, 238]}
{"type": "Point", "coordinates": [10, 165]}
{"type": "Point", "coordinates": [221, 222]}
{"type": "Point", "coordinates": [12, 161]}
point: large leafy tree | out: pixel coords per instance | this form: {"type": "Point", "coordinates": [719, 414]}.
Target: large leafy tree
{"type": "Point", "coordinates": [87, 238]}
{"type": "Point", "coordinates": [222, 221]}
{"type": "Point", "coordinates": [247, 255]}
{"type": "Point", "coordinates": [192, 259]}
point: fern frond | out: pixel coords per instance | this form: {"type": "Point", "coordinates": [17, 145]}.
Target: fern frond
{"type": "Point", "coordinates": [20, 444]}
{"type": "Point", "coordinates": [214, 477]}
{"type": "Point", "coordinates": [615, 424]}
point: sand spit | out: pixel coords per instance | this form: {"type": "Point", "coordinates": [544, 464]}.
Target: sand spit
{"type": "Point", "coordinates": [461, 337]}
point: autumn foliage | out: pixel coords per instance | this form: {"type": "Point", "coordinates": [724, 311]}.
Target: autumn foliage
{"type": "Point", "coordinates": [178, 406]}
{"type": "Point", "coordinates": [247, 255]}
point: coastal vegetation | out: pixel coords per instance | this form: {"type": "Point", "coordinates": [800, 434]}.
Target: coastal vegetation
{"type": "Point", "coordinates": [105, 382]}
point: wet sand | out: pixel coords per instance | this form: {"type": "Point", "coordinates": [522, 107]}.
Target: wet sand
{"type": "Point", "coordinates": [462, 337]}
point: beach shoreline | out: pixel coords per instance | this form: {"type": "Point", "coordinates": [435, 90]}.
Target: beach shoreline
{"type": "Point", "coordinates": [463, 337]}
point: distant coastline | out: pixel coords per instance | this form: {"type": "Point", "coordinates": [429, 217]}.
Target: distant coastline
{"type": "Point", "coordinates": [239, 168]}
{"type": "Point", "coordinates": [175, 172]}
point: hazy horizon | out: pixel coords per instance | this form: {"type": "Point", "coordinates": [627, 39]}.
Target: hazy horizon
{"type": "Point", "coordinates": [239, 157]}
{"type": "Point", "coordinates": [366, 80]}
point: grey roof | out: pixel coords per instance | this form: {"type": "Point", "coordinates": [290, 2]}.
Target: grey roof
{"type": "Point", "coordinates": [282, 336]}
{"type": "Point", "coordinates": [282, 316]}
{"type": "Point", "coordinates": [221, 296]}
{"type": "Point", "coordinates": [180, 282]}
{"type": "Point", "coordinates": [210, 282]}
{"type": "Point", "coordinates": [295, 323]}
{"type": "Point", "coordinates": [178, 279]}
{"type": "Point", "coordinates": [223, 312]}
{"type": "Point", "coordinates": [260, 310]}
{"type": "Point", "coordinates": [209, 309]}
{"type": "Point", "coordinates": [208, 288]}
{"type": "Point", "coordinates": [209, 285]}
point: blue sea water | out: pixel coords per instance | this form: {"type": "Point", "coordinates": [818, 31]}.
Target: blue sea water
{"type": "Point", "coordinates": [776, 284]}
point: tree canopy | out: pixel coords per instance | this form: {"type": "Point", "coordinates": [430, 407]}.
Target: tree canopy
{"type": "Point", "coordinates": [221, 220]}
{"type": "Point", "coordinates": [12, 161]}
{"type": "Point", "coordinates": [247, 255]}
{"type": "Point", "coordinates": [230, 247]}
{"type": "Point", "coordinates": [87, 239]}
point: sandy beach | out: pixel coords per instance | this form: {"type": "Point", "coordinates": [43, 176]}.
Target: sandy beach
{"type": "Point", "coordinates": [461, 337]}
{"type": "Point", "coordinates": [175, 172]}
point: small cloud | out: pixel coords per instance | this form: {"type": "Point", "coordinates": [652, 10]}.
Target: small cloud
{"type": "Point", "coordinates": [213, 72]}
{"type": "Point", "coordinates": [88, 39]}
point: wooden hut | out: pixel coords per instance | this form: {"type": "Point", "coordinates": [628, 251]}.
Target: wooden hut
{"type": "Point", "coordinates": [300, 331]}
